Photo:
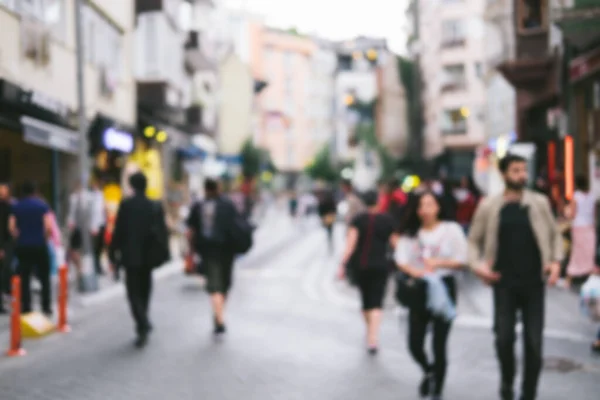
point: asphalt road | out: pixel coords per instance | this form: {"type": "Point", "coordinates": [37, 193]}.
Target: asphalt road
{"type": "Point", "coordinates": [294, 333]}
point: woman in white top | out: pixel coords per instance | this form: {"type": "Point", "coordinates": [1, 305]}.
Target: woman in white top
{"type": "Point", "coordinates": [582, 212]}
{"type": "Point", "coordinates": [430, 245]}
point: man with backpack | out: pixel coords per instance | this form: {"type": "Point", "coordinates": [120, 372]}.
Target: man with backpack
{"type": "Point", "coordinates": [218, 232]}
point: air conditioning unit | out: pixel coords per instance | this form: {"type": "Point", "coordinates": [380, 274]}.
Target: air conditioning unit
{"type": "Point", "coordinates": [108, 82]}
{"type": "Point", "coordinates": [35, 41]}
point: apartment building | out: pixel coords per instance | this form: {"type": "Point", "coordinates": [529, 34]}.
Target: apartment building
{"type": "Point", "coordinates": [452, 51]}
{"type": "Point", "coordinates": [38, 92]}
{"type": "Point", "coordinates": [391, 112]}
{"type": "Point", "coordinates": [284, 59]}
{"type": "Point", "coordinates": [356, 81]}
{"type": "Point", "coordinates": [501, 95]}
{"type": "Point", "coordinates": [322, 103]}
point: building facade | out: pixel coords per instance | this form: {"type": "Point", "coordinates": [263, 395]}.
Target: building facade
{"type": "Point", "coordinates": [391, 119]}
{"type": "Point", "coordinates": [579, 23]}
{"type": "Point", "coordinates": [38, 80]}
{"type": "Point", "coordinates": [284, 60]}
{"type": "Point", "coordinates": [322, 103]}
{"type": "Point", "coordinates": [452, 50]}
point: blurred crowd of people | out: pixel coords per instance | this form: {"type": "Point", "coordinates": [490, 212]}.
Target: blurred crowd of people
{"type": "Point", "coordinates": [512, 241]}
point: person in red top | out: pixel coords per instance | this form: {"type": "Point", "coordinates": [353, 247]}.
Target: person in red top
{"type": "Point", "coordinates": [467, 201]}
{"type": "Point", "coordinates": [391, 197]}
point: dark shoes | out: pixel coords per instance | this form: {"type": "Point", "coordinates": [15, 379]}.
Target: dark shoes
{"type": "Point", "coordinates": [142, 336]}
{"type": "Point", "coordinates": [141, 341]}
{"type": "Point", "coordinates": [596, 346]}
{"type": "Point", "coordinates": [219, 329]}
{"type": "Point", "coordinates": [426, 386]}
{"type": "Point", "coordinates": [372, 350]}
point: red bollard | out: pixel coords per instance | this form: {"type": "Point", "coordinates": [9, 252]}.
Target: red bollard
{"type": "Point", "coordinates": [15, 349]}
{"type": "Point", "coordinates": [63, 297]}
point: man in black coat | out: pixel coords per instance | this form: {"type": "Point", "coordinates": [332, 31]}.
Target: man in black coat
{"type": "Point", "coordinates": [140, 230]}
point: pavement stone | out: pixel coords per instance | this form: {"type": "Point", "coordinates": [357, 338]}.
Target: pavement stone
{"type": "Point", "coordinates": [281, 344]}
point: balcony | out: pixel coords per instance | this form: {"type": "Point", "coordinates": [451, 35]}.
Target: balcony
{"type": "Point", "coordinates": [580, 22]}
{"type": "Point", "coordinates": [161, 100]}
{"type": "Point", "coordinates": [457, 128]}
{"type": "Point", "coordinates": [196, 58]}
{"type": "Point", "coordinates": [195, 121]}
{"type": "Point", "coordinates": [453, 43]}
{"type": "Point", "coordinates": [454, 85]}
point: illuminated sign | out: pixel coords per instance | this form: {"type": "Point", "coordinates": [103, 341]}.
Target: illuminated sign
{"type": "Point", "coordinates": [118, 140]}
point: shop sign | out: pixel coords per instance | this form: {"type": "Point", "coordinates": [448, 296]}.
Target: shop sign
{"type": "Point", "coordinates": [116, 140]}
{"type": "Point", "coordinates": [48, 135]}
{"type": "Point", "coordinates": [585, 65]}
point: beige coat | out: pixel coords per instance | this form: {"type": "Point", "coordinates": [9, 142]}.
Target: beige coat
{"type": "Point", "coordinates": [483, 234]}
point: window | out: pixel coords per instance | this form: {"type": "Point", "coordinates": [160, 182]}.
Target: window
{"type": "Point", "coordinates": [454, 121]}
{"type": "Point", "coordinates": [454, 77]}
{"type": "Point", "coordinates": [479, 69]}
{"type": "Point", "coordinates": [532, 15]}
{"type": "Point", "coordinates": [10, 4]}
{"type": "Point", "coordinates": [102, 42]}
{"type": "Point", "coordinates": [453, 33]}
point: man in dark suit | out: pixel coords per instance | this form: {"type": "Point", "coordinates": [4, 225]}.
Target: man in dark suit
{"type": "Point", "coordinates": [210, 223]}
{"type": "Point", "coordinates": [139, 229]}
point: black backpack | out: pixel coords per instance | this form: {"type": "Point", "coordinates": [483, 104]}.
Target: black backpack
{"type": "Point", "coordinates": [240, 234]}
{"type": "Point", "coordinates": [157, 251]}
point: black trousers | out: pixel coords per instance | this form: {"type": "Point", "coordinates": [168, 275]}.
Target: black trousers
{"type": "Point", "coordinates": [419, 319]}
{"type": "Point", "coordinates": [98, 242]}
{"type": "Point", "coordinates": [29, 258]}
{"type": "Point", "coordinates": [529, 300]}
{"type": "Point", "coordinates": [329, 231]}
{"type": "Point", "coordinates": [6, 271]}
{"type": "Point", "coordinates": [139, 289]}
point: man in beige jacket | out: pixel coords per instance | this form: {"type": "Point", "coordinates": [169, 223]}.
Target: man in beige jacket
{"type": "Point", "coordinates": [515, 246]}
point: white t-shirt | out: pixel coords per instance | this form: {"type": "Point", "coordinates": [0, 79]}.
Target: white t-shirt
{"type": "Point", "coordinates": [586, 205]}
{"type": "Point", "coordinates": [447, 241]}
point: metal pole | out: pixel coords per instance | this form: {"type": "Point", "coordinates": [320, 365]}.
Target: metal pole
{"type": "Point", "coordinates": [88, 281]}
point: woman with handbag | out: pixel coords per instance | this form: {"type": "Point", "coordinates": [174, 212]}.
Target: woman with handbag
{"type": "Point", "coordinates": [369, 236]}
{"type": "Point", "coordinates": [429, 246]}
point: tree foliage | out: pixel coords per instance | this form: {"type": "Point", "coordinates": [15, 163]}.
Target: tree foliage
{"type": "Point", "coordinates": [322, 167]}
{"type": "Point", "coordinates": [365, 133]}
{"type": "Point", "coordinates": [255, 160]}
{"type": "Point", "coordinates": [410, 78]}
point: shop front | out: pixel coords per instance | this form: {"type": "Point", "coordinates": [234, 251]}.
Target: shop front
{"type": "Point", "coordinates": [38, 141]}
{"type": "Point", "coordinates": [584, 74]}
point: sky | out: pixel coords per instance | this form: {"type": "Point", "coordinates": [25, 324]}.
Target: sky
{"type": "Point", "coordinates": [335, 19]}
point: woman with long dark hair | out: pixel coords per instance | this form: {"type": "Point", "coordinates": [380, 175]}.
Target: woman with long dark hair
{"type": "Point", "coordinates": [430, 245]}
{"type": "Point", "coordinates": [369, 236]}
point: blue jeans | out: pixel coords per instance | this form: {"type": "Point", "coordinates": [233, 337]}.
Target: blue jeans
{"type": "Point", "coordinates": [598, 337]}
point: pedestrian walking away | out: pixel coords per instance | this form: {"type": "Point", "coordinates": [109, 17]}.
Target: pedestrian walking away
{"type": "Point", "coordinates": [31, 225]}
{"type": "Point", "coordinates": [80, 216]}
{"type": "Point", "coordinates": [431, 249]}
{"type": "Point", "coordinates": [211, 223]}
{"type": "Point", "coordinates": [370, 235]}
{"type": "Point", "coordinates": [139, 243]}
{"type": "Point", "coordinates": [582, 213]}
{"type": "Point", "coordinates": [514, 242]}
{"type": "Point", "coordinates": [328, 213]}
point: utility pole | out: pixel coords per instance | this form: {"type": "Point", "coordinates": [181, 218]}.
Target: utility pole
{"type": "Point", "coordinates": [88, 281]}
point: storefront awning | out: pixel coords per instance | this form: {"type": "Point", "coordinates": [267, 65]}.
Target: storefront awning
{"type": "Point", "coordinates": [49, 135]}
